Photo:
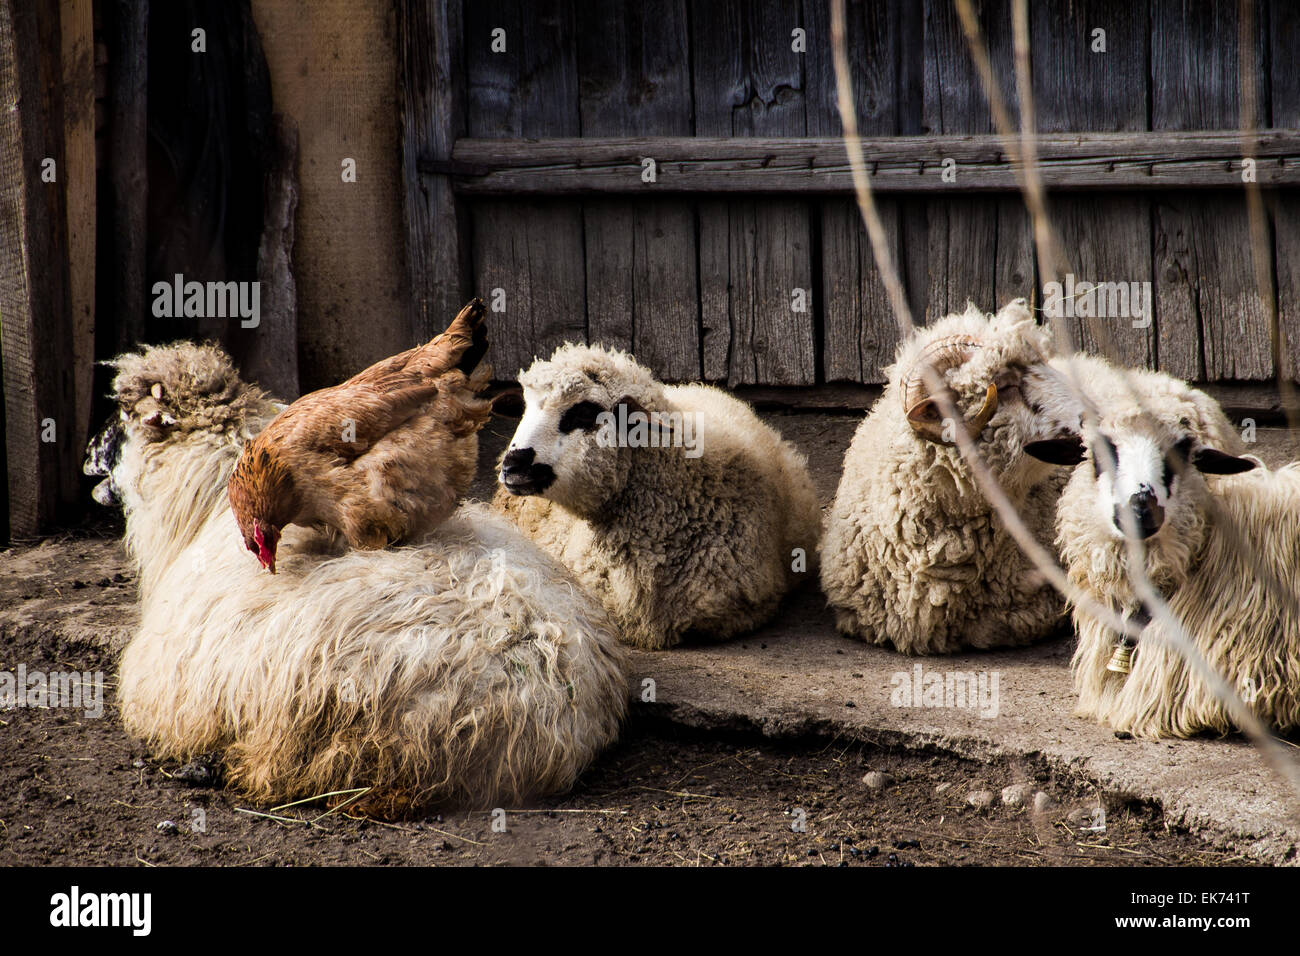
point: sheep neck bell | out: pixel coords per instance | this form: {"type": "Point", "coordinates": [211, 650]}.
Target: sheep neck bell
{"type": "Point", "coordinates": [1121, 661]}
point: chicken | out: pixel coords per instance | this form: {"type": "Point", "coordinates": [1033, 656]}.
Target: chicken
{"type": "Point", "coordinates": [381, 458]}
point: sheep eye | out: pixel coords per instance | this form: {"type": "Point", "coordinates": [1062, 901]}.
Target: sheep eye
{"type": "Point", "coordinates": [1108, 459]}
{"type": "Point", "coordinates": [1176, 460]}
{"type": "Point", "coordinates": [581, 417]}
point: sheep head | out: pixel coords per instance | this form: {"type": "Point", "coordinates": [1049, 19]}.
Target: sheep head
{"type": "Point", "coordinates": [1150, 440]}
{"type": "Point", "coordinates": [925, 412]}
{"type": "Point", "coordinates": [164, 395]}
{"type": "Point", "coordinates": [560, 449]}
{"type": "Point", "coordinates": [978, 363]}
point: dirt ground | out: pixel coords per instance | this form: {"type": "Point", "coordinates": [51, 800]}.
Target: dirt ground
{"type": "Point", "coordinates": [80, 791]}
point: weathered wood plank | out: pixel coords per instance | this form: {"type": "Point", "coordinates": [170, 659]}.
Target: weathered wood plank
{"type": "Point", "coordinates": [1262, 402]}
{"type": "Point", "coordinates": [955, 101]}
{"type": "Point", "coordinates": [641, 261]}
{"type": "Point", "coordinates": [531, 251]}
{"type": "Point", "coordinates": [537, 285]}
{"type": "Point", "coordinates": [41, 455]}
{"type": "Point", "coordinates": [859, 330]}
{"type": "Point", "coordinates": [748, 81]}
{"type": "Point", "coordinates": [963, 235]}
{"type": "Point", "coordinates": [1108, 241]}
{"type": "Point", "coordinates": [128, 28]}
{"type": "Point", "coordinates": [1013, 266]}
{"type": "Point", "coordinates": [78, 174]}
{"type": "Point", "coordinates": [431, 46]}
{"type": "Point", "coordinates": [902, 164]}
{"type": "Point", "coordinates": [1284, 31]}
{"type": "Point", "coordinates": [1089, 82]}
{"type": "Point", "coordinates": [1204, 276]}
{"type": "Point", "coordinates": [273, 361]}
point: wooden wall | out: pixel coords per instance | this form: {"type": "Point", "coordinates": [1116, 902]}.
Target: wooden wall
{"type": "Point", "coordinates": [700, 280]}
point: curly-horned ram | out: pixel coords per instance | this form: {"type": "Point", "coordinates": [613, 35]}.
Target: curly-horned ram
{"type": "Point", "coordinates": [675, 504]}
{"type": "Point", "coordinates": [469, 669]}
{"type": "Point", "coordinates": [914, 554]}
{"type": "Point", "coordinates": [1163, 463]}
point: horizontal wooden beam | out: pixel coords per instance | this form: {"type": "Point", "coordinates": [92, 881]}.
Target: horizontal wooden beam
{"type": "Point", "coordinates": [1261, 401]}
{"type": "Point", "coordinates": [898, 164]}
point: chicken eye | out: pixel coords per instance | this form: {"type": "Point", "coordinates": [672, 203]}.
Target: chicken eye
{"type": "Point", "coordinates": [581, 417]}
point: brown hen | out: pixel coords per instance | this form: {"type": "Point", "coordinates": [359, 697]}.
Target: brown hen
{"type": "Point", "coordinates": [381, 458]}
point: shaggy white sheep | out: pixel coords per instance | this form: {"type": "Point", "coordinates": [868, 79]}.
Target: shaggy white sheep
{"type": "Point", "coordinates": [1155, 447]}
{"type": "Point", "coordinates": [469, 669]}
{"type": "Point", "coordinates": [914, 555]}
{"type": "Point", "coordinates": [675, 504]}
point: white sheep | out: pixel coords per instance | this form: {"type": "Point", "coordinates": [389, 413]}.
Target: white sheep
{"type": "Point", "coordinates": [1156, 447]}
{"type": "Point", "coordinates": [469, 669]}
{"type": "Point", "coordinates": [675, 504]}
{"type": "Point", "coordinates": [914, 555]}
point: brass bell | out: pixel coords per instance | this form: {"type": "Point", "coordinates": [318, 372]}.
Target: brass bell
{"type": "Point", "coordinates": [1121, 662]}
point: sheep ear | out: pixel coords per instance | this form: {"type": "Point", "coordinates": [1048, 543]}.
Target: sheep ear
{"type": "Point", "coordinates": [1211, 461]}
{"type": "Point", "coordinates": [1068, 450]}
{"type": "Point", "coordinates": [509, 404]}
{"type": "Point", "coordinates": [653, 419]}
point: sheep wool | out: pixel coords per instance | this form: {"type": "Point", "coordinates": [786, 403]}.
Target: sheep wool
{"type": "Point", "coordinates": [914, 555]}
{"type": "Point", "coordinates": [702, 536]}
{"type": "Point", "coordinates": [469, 669]}
{"type": "Point", "coordinates": [1241, 623]}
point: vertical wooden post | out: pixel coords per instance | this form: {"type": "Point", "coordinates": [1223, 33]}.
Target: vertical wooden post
{"type": "Point", "coordinates": [431, 44]}
{"type": "Point", "coordinates": [35, 329]}
{"type": "Point", "coordinates": [128, 95]}
{"type": "Point", "coordinates": [78, 28]}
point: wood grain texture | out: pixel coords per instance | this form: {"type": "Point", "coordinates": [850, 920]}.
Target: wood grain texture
{"type": "Point", "coordinates": [78, 56]}
{"type": "Point", "coordinates": [1284, 207]}
{"type": "Point", "coordinates": [641, 258]}
{"type": "Point", "coordinates": [431, 47]}
{"type": "Point", "coordinates": [1204, 276]}
{"type": "Point", "coordinates": [532, 251]}
{"type": "Point", "coordinates": [859, 330]}
{"type": "Point", "coordinates": [748, 81]}
{"type": "Point", "coordinates": [1104, 239]}
{"type": "Point", "coordinates": [128, 74]}
{"type": "Point", "coordinates": [41, 456]}
{"type": "Point", "coordinates": [899, 164]}
{"type": "Point", "coordinates": [272, 358]}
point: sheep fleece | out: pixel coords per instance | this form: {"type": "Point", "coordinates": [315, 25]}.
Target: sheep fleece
{"type": "Point", "coordinates": [703, 545]}
{"type": "Point", "coordinates": [914, 555]}
{"type": "Point", "coordinates": [467, 670]}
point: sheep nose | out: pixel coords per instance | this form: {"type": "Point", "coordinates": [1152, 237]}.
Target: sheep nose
{"type": "Point", "coordinates": [517, 462]}
{"type": "Point", "coordinates": [1147, 513]}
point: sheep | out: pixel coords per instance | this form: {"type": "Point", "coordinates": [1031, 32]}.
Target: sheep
{"type": "Point", "coordinates": [675, 504]}
{"type": "Point", "coordinates": [467, 670]}
{"type": "Point", "coordinates": [914, 555]}
{"type": "Point", "coordinates": [1166, 463]}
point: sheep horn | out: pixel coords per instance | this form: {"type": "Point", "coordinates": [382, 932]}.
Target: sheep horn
{"type": "Point", "coordinates": [922, 411]}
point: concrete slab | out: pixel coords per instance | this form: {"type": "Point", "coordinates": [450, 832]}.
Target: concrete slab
{"type": "Point", "coordinates": [797, 677]}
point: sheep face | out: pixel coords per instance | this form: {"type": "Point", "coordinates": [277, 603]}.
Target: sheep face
{"type": "Point", "coordinates": [983, 363]}
{"type": "Point", "coordinates": [1145, 478]}
{"type": "Point", "coordinates": [556, 451]}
